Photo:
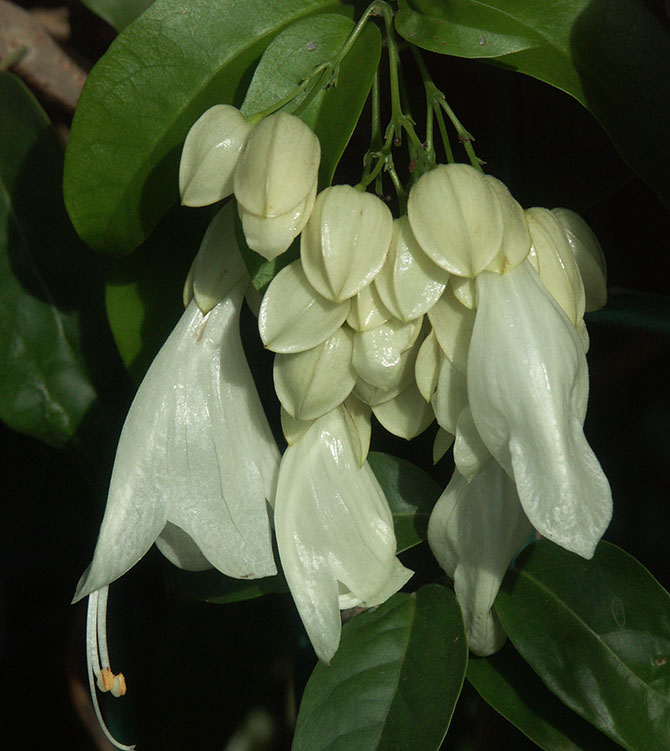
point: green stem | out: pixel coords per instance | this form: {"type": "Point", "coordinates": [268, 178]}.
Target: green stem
{"type": "Point", "coordinates": [318, 71]}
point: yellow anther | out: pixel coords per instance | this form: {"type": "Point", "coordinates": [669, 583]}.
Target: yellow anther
{"type": "Point", "coordinates": [105, 679]}
{"type": "Point", "coordinates": [119, 686]}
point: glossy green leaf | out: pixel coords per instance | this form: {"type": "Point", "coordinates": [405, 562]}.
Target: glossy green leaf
{"type": "Point", "coordinates": [394, 681]}
{"type": "Point", "coordinates": [509, 685]}
{"type": "Point", "coordinates": [331, 113]}
{"type": "Point", "coordinates": [212, 586]}
{"type": "Point", "coordinates": [411, 494]}
{"type": "Point", "coordinates": [144, 291]}
{"type": "Point", "coordinates": [158, 76]}
{"type": "Point", "coordinates": [45, 387]}
{"type": "Point", "coordinates": [611, 55]}
{"type": "Point", "coordinates": [598, 634]}
{"type": "Point", "coordinates": [117, 13]}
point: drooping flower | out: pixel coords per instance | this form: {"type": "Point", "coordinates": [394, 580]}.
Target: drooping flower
{"type": "Point", "coordinates": [196, 462]}
{"type": "Point", "coordinates": [527, 383]}
{"type": "Point", "coordinates": [334, 531]}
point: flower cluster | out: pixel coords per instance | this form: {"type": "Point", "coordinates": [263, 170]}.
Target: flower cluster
{"type": "Point", "coordinates": [468, 310]}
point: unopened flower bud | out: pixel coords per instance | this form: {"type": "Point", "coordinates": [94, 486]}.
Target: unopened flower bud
{"type": "Point", "coordinates": [555, 263]}
{"type": "Point", "coordinates": [345, 242]}
{"type": "Point", "coordinates": [367, 310]}
{"type": "Point", "coordinates": [211, 153]}
{"type": "Point", "coordinates": [278, 167]}
{"type": "Point", "coordinates": [406, 415]}
{"type": "Point", "coordinates": [453, 324]}
{"type": "Point", "coordinates": [409, 283]}
{"type": "Point", "coordinates": [457, 218]}
{"type": "Point", "coordinates": [589, 256]}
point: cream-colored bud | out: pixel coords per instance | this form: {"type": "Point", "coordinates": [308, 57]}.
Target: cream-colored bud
{"type": "Point", "coordinates": [427, 366]}
{"type": "Point", "coordinates": [313, 382]}
{"type": "Point", "coordinates": [357, 418]}
{"type": "Point", "coordinates": [589, 256]}
{"type": "Point", "coordinates": [470, 452]}
{"type": "Point", "coordinates": [278, 166]}
{"type": "Point", "coordinates": [409, 283]}
{"type": "Point", "coordinates": [556, 263]}
{"type": "Point", "coordinates": [211, 154]}
{"type": "Point", "coordinates": [453, 324]}
{"type": "Point", "coordinates": [516, 236]}
{"type": "Point", "coordinates": [406, 415]}
{"type": "Point", "coordinates": [292, 428]}
{"type": "Point", "coordinates": [450, 397]}
{"type": "Point", "coordinates": [441, 444]}
{"type": "Point", "coordinates": [465, 290]}
{"type": "Point", "coordinates": [270, 236]}
{"type": "Point", "coordinates": [378, 353]}
{"type": "Point", "coordinates": [457, 218]}
{"type": "Point", "coordinates": [367, 310]}
{"type": "Point", "coordinates": [294, 317]}
{"type": "Point", "coordinates": [345, 241]}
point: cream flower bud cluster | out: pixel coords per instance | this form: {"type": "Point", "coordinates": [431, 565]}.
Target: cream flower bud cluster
{"type": "Point", "coordinates": [271, 167]}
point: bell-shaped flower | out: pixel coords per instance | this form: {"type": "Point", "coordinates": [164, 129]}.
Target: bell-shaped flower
{"type": "Point", "coordinates": [456, 218]}
{"type": "Point", "coordinates": [409, 283]}
{"type": "Point", "coordinates": [345, 241]}
{"type": "Point", "coordinates": [210, 156]}
{"type": "Point", "coordinates": [334, 531]}
{"type": "Point", "coordinates": [196, 462]}
{"type": "Point", "coordinates": [293, 316]}
{"type": "Point", "coordinates": [313, 382]}
{"type": "Point", "coordinates": [589, 256]}
{"type": "Point", "coordinates": [275, 182]}
{"type": "Point", "coordinates": [555, 262]}
{"type": "Point", "coordinates": [474, 531]}
{"type": "Point", "coordinates": [527, 382]}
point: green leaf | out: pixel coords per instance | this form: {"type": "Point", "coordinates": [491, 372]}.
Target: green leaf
{"type": "Point", "coordinates": [393, 683]}
{"type": "Point", "coordinates": [158, 76]}
{"type": "Point", "coordinates": [117, 13]}
{"type": "Point", "coordinates": [331, 113]}
{"type": "Point", "coordinates": [598, 634]}
{"type": "Point", "coordinates": [611, 55]}
{"type": "Point", "coordinates": [144, 292]}
{"type": "Point", "coordinates": [213, 586]}
{"type": "Point", "coordinates": [411, 494]}
{"type": "Point", "coordinates": [45, 388]}
{"type": "Point", "coordinates": [508, 684]}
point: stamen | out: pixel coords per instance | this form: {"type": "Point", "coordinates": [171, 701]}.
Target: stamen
{"type": "Point", "coordinates": [96, 653]}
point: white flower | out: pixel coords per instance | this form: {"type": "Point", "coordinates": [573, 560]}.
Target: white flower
{"type": "Point", "coordinates": [196, 462]}
{"type": "Point", "coordinates": [211, 152]}
{"type": "Point", "coordinates": [334, 531]}
{"type": "Point", "coordinates": [527, 382]}
{"type": "Point", "coordinates": [474, 531]}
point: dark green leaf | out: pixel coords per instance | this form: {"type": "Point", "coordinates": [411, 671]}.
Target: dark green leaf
{"type": "Point", "coordinates": [117, 13]}
{"type": "Point", "coordinates": [411, 495]}
{"type": "Point", "coordinates": [506, 682]}
{"type": "Point", "coordinates": [158, 76]}
{"type": "Point", "coordinates": [598, 634]}
{"type": "Point", "coordinates": [611, 55]}
{"type": "Point", "coordinates": [331, 113]}
{"type": "Point", "coordinates": [45, 388]}
{"type": "Point", "coordinates": [394, 681]}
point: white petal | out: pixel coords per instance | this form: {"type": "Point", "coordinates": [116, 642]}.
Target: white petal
{"type": "Point", "coordinates": [357, 417]}
{"type": "Point", "coordinates": [270, 236]}
{"type": "Point", "coordinates": [470, 452]}
{"type": "Point", "coordinates": [315, 381]}
{"type": "Point", "coordinates": [464, 290]}
{"type": "Point", "coordinates": [278, 166]}
{"type": "Point", "coordinates": [516, 235]}
{"type": "Point", "coordinates": [556, 263]}
{"type": "Point", "coordinates": [367, 310]}
{"type": "Point", "coordinates": [441, 444]}
{"type": "Point", "coordinates": [589, 256]}
{"type": "Point", "coordinates": [221, 458]}
{"type": "Point", "coordinates": [406, 415]}
{"type": "Point", "coordinates": [345, 242]}
{"type": "Point", "coordinates": [293, 316]}
{"type": "Point", "coordinates": [218, 267]}
{"type": "Point", "coordinates": [409, 282]}
{"type": "Point", "coordinates": [373, 395]}
{"type": "Point", "coordinates": [378, 353]}
{"type": "Point", "coordinates": [527, 387]}
{"type": "Point", "coordinates": [333, 526]}
{"type": "Point", "coordinates": [210, 156]}
{"type": "Point", "coordinates": [450, 397]}
{"type": "Point", "coordinates": [292, 428]}
{"type": "Point", "coordinates": [427, 366]}
{"type": "Point", "coordinates": [474, 531]}
{"type": "Point", "coordinates": [456, 218]}
{"type": "Point", "coordinates": [452, 324]}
